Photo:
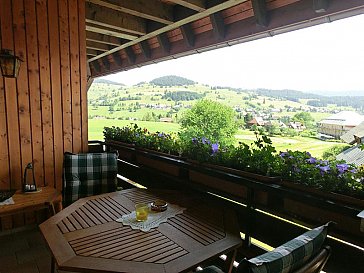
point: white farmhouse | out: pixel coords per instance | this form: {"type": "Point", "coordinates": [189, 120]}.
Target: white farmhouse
{"type": "Point", "coordinates": [338, 124]}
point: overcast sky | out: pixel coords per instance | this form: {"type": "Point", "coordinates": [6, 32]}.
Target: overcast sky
{"type": "Point", "coordinates": [328, 58]}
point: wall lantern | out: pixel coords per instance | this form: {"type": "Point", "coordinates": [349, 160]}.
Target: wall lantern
{"type": "Point", "coordinates": [9, 63]}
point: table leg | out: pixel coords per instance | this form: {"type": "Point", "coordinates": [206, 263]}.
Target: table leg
{"type": "Point", "coordinates": [53, 262]}
{"type": "Point", "coordinates": [229, 263]}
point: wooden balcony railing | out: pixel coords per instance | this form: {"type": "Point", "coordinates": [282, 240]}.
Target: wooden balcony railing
{"type": "Point", "coordinates": [269, 213]}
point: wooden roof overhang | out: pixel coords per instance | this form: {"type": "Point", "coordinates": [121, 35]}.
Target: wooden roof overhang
{"type": "Point", "coordinates": [122, 34]}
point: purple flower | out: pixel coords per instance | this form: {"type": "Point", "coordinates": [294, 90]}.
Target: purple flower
{"type": "Point", "coordinates": [194, 140]}
{"type": "Point", "coordinates": [204, 140]}
{"type": "Point", "coordinates": [324, 169]}
{"type": "Point", "coordinates": [295, 169]}
{"type": "Point", "coordinates": [161, 134]}
{"type": "Point", "coordinates": [283, 154]}
{"type": "Point", "coordinates": [215, 147]}
{"type": "Point", "coordinates": [342, 168]}
{"type": "Point", "coordinates": [311, 160]}
{"type": "Point", "coordinates": [307, 153]}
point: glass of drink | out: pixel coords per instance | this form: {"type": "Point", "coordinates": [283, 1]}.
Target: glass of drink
{"type": "Point", "coordinates": [141, 212]}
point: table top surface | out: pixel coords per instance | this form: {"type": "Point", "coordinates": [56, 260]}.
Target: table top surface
{"type": "Point", "coordinates": [85, 236]}
{"type": "Point", "coordinates": [23, 201]}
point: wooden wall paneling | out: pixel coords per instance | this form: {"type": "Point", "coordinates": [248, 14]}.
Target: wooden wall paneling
{"type": "Point", "coordinates": [65, 75]}
{"type": "Point", "coordinates": [22, 87]}
{"type": "Point", "coordinates": [83, 74]}
{"type": "Point", "coordinates": [45, 87]}
{"type": "Point", "coordinates": [4, 152]}
{"type": "Point", "coordinates": [11, 99]}
{"type": "Point", "coordinates": [75, 75]}
{"type": "Point", "coordinates": [34, 89]}
{"type": "Point", "coordinates": [55, 74]}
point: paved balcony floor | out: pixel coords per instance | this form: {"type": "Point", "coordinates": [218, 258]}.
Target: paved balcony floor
{"type": "Point", "coordinates": [24, 252]}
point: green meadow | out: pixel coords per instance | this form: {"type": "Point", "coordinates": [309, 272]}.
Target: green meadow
{"type": "Point", "coordinates": [314, 146]}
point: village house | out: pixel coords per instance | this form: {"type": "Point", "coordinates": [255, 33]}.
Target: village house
{"type": "Point", "coordinates": [340, 123]}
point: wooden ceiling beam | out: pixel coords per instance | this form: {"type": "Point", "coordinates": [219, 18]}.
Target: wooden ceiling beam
{"type": "Point", "coordinates": [109, 32]}
{"type": "Point", "coordinates": [130, 55]}
{"type": "Point", "coordinates": [197, 5]}
{"type": "Point", "coordinates": [192, 18]}
{"type": "Point", "coordinates": [260, 12]}
{"type": "Point", "coordinates": [96, 66]}
{"type": "Point", "coordinates": [115, 20]}
{"type": "Point", "coordinates": [218, 25]}
{"type": "Point", "coordinates": [98, 46]}
{"type": "Point", "coordinates": [91, 52]}
{"type": "Point", "coordinates": [146, 49]}
{"type": "Point", "coordinates": [101, 38]}
{"type": "Point", "coordinates": [105, 63]}
{"type": "Point", "coordinates": [188, 35]}
{"type": "Point", "coordinates": [153, 10]}
{"type": "Point", "coordinates": [117, 58]}
{"type": "Point", "coordinates": [164, 42]}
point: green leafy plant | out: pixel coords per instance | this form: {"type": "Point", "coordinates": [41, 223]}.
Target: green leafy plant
{"type": "Point", "coordinates": [141, 137]}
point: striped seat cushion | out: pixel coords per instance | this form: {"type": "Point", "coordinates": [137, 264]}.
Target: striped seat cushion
{"type": "Point", "coordinates": [289, 256]}
{"type": "Point", "coordinates": [88, 174]}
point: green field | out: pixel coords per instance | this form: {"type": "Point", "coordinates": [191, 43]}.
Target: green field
{"type": "Point", "coordinates": [314, 146]}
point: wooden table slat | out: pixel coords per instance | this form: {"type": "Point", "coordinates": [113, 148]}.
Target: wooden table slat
{"type": "Point", "coordinates": [90, 215]}
{"type": "Point", "coordinates": [106, 209]}
{"type": "Point", "coordinates": [133, 246]}
{"type": "Point", "coordinates": [80, 220]}
{"type": "Point", "coordinates": [74, 222]}
{"type": "Point", "coordinates": [85, 217]}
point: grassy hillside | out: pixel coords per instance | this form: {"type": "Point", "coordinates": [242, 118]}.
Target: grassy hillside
{"type": "Point", "coordinates": [112, 104]}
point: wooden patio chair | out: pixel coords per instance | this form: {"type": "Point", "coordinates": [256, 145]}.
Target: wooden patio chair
{"type": "Point", "coordinates": [303, 254]}
{"type": "Point", "coordinates": [88, 174]}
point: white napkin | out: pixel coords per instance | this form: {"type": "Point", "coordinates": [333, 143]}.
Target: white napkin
{"type": "Point", "coordinates": [8, 201]}
{"type": "Point", "coordinates": [154, 218]}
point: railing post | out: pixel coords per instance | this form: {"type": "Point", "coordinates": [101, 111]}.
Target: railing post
{"type": "Point", "coordinates": [250, 216]}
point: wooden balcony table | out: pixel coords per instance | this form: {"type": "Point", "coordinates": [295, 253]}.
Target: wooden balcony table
{"type": "Point", "coordinates": [85, 237]}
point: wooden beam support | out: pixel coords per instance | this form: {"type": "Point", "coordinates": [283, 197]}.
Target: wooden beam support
{"type": "Point", "coordinates": [109, 32]}
{"type": "Point", "coordinates": [226, 4]}
{"type": "Point", "coordinates": [145, 49]}
{"type": "Point", "coordinates": [260, 12]}
{"type": "Point", "coordinates": [114, 20]}
{"type": "Point", "coordinates": [96, 66]}
{"type": "Point", "coordinates": [218, 25]}
{"type": "Point", "coordinates": [320, 6]}
{"type": "Point", "coordinates": [117, 58]}
{"type": "Point", "coordinates": [91, 52]}
{"type": "Point", "coordinates": [197, 5]}
{"type": "Point", "coordinates": [104, 39]}
{"type": "Point", "coordinates": [105, 63]}
{"type": "Point", "coordinates": [97, 46]}
{"type": "Point", "coordinates": [188, 35]}
{"type": "Point", "coordinates": [130, 54]}
{"type": "Point", "coordinates": [164, 42]}
{"type": "Point", "coordinates": [153, 10]}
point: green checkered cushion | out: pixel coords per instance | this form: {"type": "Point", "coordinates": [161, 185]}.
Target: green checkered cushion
{"type": "Point", "coordinates": [289, 256]}
{"type": "Point", "coordinates": [88, 174]}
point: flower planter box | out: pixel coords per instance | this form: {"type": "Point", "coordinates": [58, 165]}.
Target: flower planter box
{"type": "Point", "coordinates": [162, 162]}
{"type": "Point", "coordinates": [314, 214]}
{"type": "Point", "coordinates": [332, 196]}
{"type": "Point", "coordinates": [249, 175]}
{"type": "Point", "coordinates": [224, 186]}
{"type": "Point", "coordinates": [126, 150]}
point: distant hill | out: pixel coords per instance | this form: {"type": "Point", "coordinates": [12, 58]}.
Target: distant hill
{"type": "Point", "coordinates": [108, 82]}
{"type": "Point", "coordinates": [171, 80]}
{"type": "Point", "coordinates": [356, 102]}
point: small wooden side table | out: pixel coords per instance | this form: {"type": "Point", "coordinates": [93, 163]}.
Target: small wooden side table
{"type": "Point", "coordinates": [47, 198]}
